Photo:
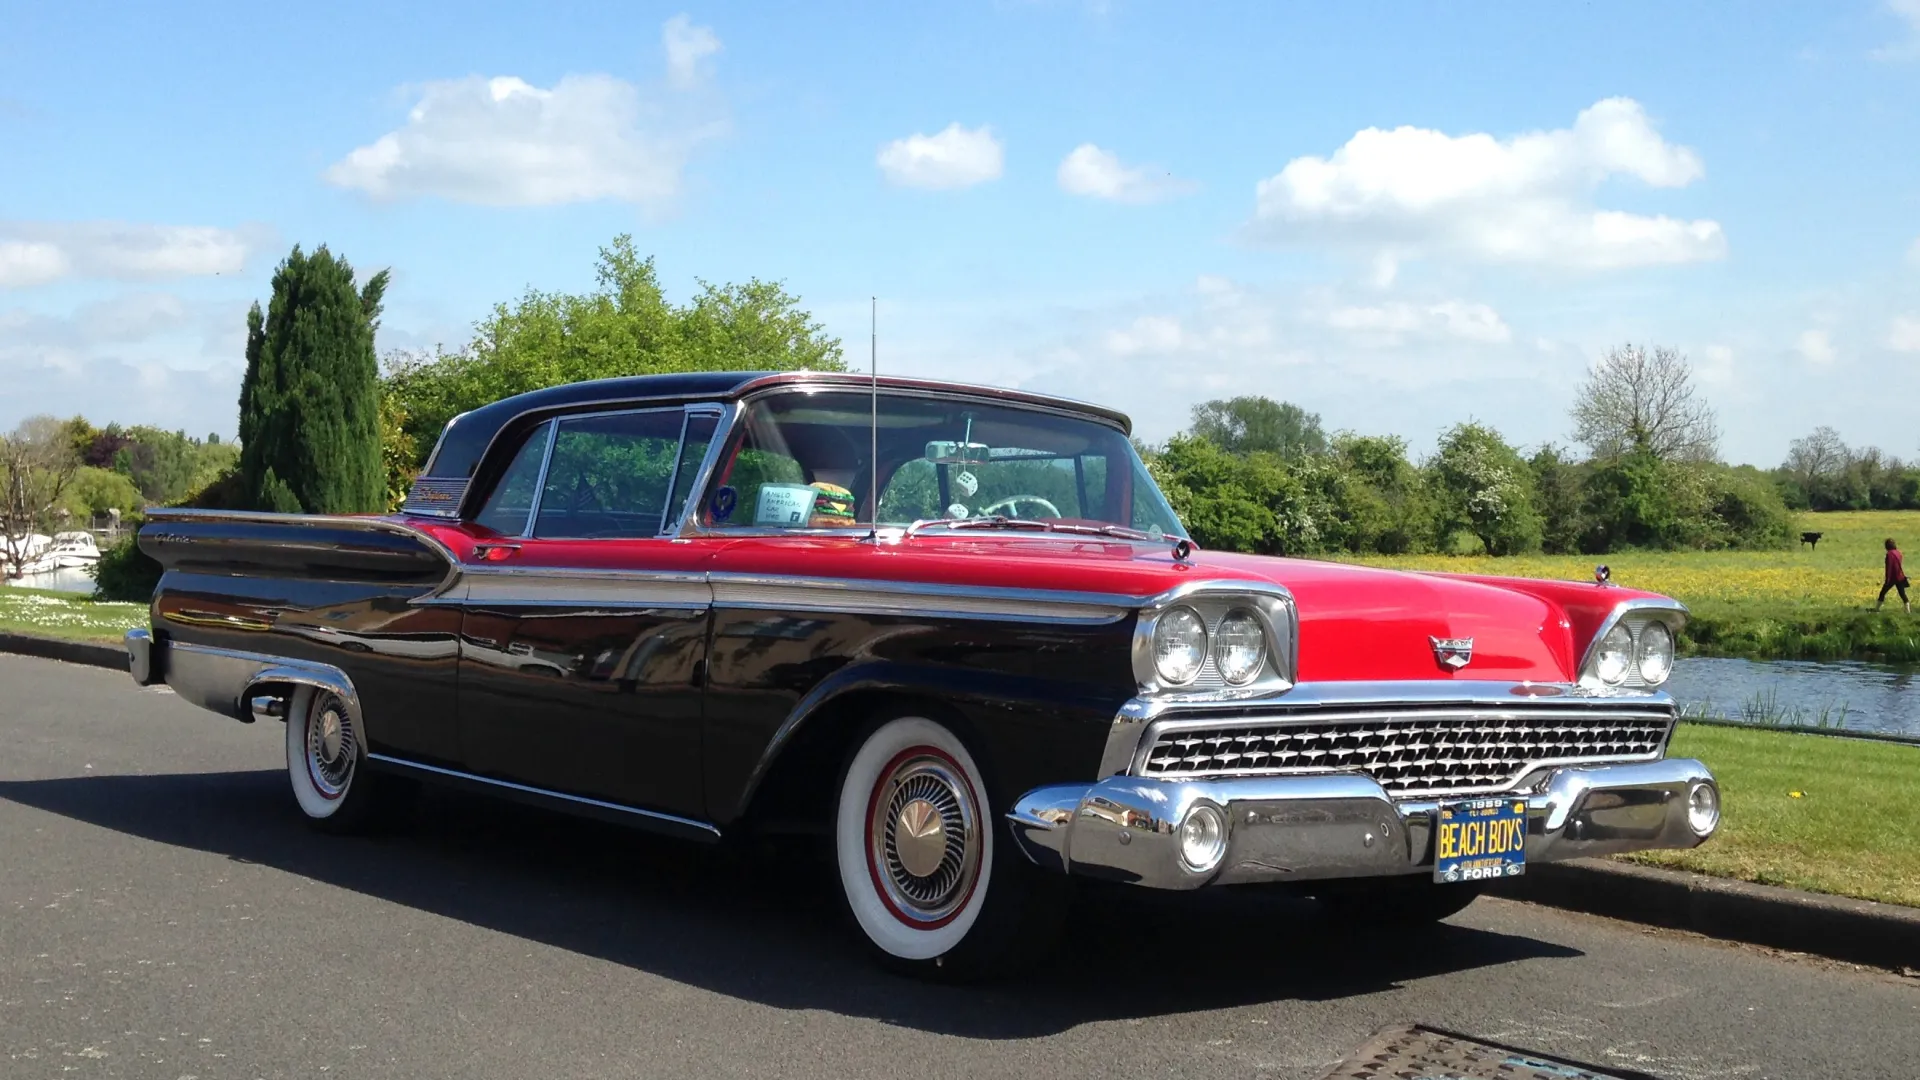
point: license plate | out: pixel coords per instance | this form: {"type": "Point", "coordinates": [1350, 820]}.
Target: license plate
{"type": "Point", "coordinates": [1480, 839]}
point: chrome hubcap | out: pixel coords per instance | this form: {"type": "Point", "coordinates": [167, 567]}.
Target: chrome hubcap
{"type": "Point", "coordinates": [331, 747]}
{"type": "Point", "coordinates": [926, 838]}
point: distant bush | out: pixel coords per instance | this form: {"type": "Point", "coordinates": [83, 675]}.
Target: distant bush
{"type": "Point", "coordinates": [125, 573]}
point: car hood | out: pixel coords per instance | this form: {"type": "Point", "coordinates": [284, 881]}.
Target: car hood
{"type": "Point", "coordinates": [1356, 622]}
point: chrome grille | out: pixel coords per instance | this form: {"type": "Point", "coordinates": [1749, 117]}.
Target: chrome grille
{"type": "Point", "coordinates": [1410, 752]}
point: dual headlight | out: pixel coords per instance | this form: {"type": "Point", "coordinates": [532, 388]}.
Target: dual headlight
{"type": "Point", "coordinates": [1643, 649]}
{"type": "Point", "coordinates": [1182, 644]}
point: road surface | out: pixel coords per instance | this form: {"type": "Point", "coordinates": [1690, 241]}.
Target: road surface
{"type": "Point", "coordinates": [165, 913]}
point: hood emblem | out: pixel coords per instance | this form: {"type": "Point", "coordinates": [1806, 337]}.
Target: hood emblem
{"type": "Point", "coordinates": [1453, 653]}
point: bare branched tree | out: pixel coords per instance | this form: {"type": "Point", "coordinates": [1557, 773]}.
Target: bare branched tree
{"type": "Point", "coordinates": [1635, 399]}
{"type": "Point", "coordinates": [1819, 456]}
{"type": "Point", "coordinates": [37, 462]}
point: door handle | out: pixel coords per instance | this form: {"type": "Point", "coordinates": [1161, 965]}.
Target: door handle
{"type": "Point", "coordinates": [494, 551]}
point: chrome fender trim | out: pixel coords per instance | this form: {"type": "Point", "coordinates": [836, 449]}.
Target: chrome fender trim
{"type": "Point", "coordinates": [226, 680]}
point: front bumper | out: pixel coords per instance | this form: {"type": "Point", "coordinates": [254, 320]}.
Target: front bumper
{"type": "Point", "coordinates": [1313, 828]}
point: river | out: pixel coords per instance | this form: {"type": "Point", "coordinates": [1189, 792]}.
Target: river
{"type": "Point", "coordinates": [70, 580]}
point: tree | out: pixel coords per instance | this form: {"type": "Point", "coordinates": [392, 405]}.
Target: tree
{"type": "Point", "coordinates": [1485, 489]}
{"type": "Point", "coordinates": [1816, 459]}
{"type": "Point", "coordinates": [625, 326]}
{"type": "Point", "coordinates": [1243, 425]}
{"type": "Point", "coordinates": [310, 399]}
{"type": "Point", "coordinates": [37, 462]}
{"type": "Point", "coordinates": [1639, 400]}
{"type": "Point", "coordinates": [1558, 495]}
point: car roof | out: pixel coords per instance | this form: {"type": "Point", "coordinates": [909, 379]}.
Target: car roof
{"type": "Point", "coordinates": [467, 436]}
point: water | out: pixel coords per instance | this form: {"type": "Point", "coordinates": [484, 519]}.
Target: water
{"type": "Point", "coordinates": [1878, 697]}
{"type": "Point", "coordinates": [73, 580]}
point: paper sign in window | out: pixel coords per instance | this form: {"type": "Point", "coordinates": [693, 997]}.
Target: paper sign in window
{"type": "Point", "coordinates": [784, 504]}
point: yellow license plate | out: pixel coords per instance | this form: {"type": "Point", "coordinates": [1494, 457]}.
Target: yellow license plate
{"type": "Point", "coordinates": [1480, 839]}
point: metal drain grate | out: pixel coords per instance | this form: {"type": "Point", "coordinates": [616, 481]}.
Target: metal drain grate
{"type": "Point", "coordinates": [1424, 1053]}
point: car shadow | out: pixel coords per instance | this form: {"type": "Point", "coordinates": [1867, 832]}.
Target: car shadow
{"type": "Point", "coordinates": [769, 929]}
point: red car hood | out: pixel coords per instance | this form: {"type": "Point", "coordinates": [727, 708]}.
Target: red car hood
{"type": "Point", "coordinates": [1356, 623]}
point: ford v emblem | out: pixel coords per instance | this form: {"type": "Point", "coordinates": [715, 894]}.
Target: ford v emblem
{"type": "Point", "coordinates": [1453, 653]}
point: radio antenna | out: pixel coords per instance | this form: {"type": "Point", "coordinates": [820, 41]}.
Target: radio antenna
{"type": "Point", "coordinates": [873, 370]}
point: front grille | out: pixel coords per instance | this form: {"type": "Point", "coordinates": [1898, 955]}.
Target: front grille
{"type": "Point", "coordinates": [1409, 752]}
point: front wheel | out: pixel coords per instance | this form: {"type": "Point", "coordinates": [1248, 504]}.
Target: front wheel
{"type": "Point", "coordinates": [922, 876]}
{"type": "Point", "coordinates": [326, 759]}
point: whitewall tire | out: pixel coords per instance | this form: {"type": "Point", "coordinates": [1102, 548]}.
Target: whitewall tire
{"type": "Point", "coordinates": [326, 765]}
{"type": "Point", "coordinates": [913, 840]}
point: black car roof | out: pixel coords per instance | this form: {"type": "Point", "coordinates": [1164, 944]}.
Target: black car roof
{"type": "Point", "coordinates": [467, 436]}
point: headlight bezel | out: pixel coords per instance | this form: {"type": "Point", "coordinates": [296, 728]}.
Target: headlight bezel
{"type": "Point", "coordinates": [1180, 615]}
{"type": "Point", "coordinates": [1632, 617]}
{"type": "Point", "coordinates": [1272, 609]}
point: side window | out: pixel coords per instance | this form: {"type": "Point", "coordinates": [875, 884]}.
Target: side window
{"type": "Point", "coordinates": [507, 509]}
{"type": "Point", "coordinates": [610, 476]}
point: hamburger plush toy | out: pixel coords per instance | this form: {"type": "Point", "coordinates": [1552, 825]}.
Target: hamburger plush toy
{"type": "Point", "coordinates": [832, 508]}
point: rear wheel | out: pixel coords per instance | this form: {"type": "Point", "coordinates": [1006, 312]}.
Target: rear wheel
{"type": "Point", "coordinates": [326, 759]}
{"type": "Point", "coordinates": [923, 879]}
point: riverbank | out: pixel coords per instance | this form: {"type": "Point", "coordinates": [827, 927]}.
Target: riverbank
{"type": "Point", "coordinates": [1807, 811]}
{"type": "Point", "coordinates": [1807, 602]}
{"type": "Point", "coordinates": [63, 615]}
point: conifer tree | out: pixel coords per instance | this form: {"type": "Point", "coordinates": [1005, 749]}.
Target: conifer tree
{"type": "Point", "coordinates": [310, 399]}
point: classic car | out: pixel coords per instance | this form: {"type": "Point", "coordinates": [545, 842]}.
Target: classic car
{"type": "Point", "coordinates": [954, 634]}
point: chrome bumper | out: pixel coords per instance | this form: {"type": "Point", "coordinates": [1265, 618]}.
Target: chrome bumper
{"type": "Point", "coordinates": [1308, 828]}
{"type": "Point", "coordinates": [225, 680]}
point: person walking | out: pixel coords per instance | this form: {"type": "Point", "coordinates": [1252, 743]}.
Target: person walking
{"type": "Point", "coordinates": [1896, 579]}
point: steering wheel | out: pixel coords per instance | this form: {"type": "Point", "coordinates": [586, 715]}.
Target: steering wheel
{"type": "Point", "coordinates": [1012, 502]}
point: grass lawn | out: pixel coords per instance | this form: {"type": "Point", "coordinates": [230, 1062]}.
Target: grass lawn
{"type": "Point", "coordinates": [66, 615]}
{"type": "Point", "coordinates": [1795, 603]}
{"type": "Point", "coordinates": [1853, 830]}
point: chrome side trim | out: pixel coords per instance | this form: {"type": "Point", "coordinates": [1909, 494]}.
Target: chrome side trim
{"type": "Point", "coordinates": [674, 820]}
{"type": "Point", "coordinates": [917, 598]}
{"type": "Point", "coordinates": [1124, 735]}
{"type": "Point", "coordinates": [689, 521]}
{"type": "Point", "coordinates": [225, 680]}
{"type": "Point", "coordinates": [522, 585]}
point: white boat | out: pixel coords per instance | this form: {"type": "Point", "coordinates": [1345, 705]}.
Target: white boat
{"type": "Point", "coordinates": [28, 551]}
{"type": "Point", "coordinates": [61, 551]}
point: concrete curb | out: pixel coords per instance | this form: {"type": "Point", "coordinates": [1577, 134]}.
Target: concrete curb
{"type": "Point", "coordinates": [73, 652]}
{"type": "Point", "coordinates": [1857, 931]}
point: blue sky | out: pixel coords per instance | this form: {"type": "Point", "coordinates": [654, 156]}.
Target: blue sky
{"type": "Point", "coordinates": [1398, 216]}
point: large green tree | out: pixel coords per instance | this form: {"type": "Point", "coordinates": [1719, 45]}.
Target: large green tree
{"type": "Point", "coordinates": [1249, 424]}
{"type": "Point", "coordinates": [310, 400]}
{"type": "Point", "coordinates": [1485, 488]}
{"type": "Point", "coordinates": [624, 326]}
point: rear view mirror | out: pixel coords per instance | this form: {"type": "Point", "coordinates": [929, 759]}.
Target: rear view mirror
{"type": "Point", "coordinates": [944, 452]}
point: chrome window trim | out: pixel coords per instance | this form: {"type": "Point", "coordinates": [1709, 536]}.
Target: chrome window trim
{"type": "Point", "coordinates": [581, 800]}
{"type": "Point", "coordinates": [540, 479]}
{"type": "Point", "coordinates": [690, 501]}
{"type": "Point", "coordinates": [1672, 612]}
{"type": "Point", "coordinates": [1126, 734]}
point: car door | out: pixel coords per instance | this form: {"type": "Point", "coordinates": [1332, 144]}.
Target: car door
{"type": "Point", "coordinates": [585, 624]}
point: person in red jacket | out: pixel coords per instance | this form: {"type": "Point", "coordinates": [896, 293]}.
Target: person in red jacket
{"type": "Point", "coordinates": [1896, 578]}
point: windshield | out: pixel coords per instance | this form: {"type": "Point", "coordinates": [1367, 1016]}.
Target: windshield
{"type": "Point", "coordinates": [804, 461]}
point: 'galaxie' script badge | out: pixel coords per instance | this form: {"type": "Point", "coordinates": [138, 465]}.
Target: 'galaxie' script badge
{"type": "Point", "coordinates": [1453, 653]}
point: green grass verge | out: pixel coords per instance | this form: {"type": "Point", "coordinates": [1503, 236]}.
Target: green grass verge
{"type": "Point", "coordinates": [1853, 829]}
{"type": "Point", "coordinates": [66, 615]}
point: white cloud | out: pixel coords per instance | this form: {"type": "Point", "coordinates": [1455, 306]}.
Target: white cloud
{"type": "Point", "coordinates": [1904, 334]}
{"type": "Point", "coordinates": [686, 46]}
{"type": "Point", "coordinates": [1099, 174]}
{"type": "Point", "coordinates": [34, 253]}
{"type": "Point", "coordinates": [955, 158]}
{"type": "Point", "coordinates": [1394, 322]}
{"type": "Point", "coordinates": [1716, 365]}
{"type": "Point", "coordinates": [1908, 48]}
{"type": "Point", "coordinates": [1815, 347]}
{"type": "Point", "coordinates": [505, 142]}
{"type": "Point", "coordinates": [1412, 191]}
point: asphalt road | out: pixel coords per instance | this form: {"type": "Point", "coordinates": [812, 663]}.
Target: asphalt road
{"type": "Point", "coordinates": [165, 913]}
